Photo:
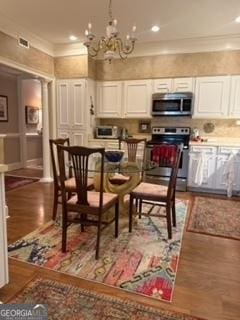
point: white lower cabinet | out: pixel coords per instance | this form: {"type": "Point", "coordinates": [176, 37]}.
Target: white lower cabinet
{"type": "Point", "coordinates": [207, 169]}
{"type": "Point", "coordinates": [77, 138]}
{"type": "Point", "coordinates": [222, 161]}
{"type": "Point", "coordinates": [213, 168]}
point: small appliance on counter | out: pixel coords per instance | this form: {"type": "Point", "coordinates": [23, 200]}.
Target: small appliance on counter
{"type": "Point", "coordinates": [195, 135]}
{"type": "Point", "coordinates": [107, 132]}
{"type": "Point", "coordinates": [124, 134]}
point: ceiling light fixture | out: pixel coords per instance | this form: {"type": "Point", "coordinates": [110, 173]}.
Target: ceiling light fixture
{"type": "Point", "coordinates": [155, 28]}
{"type": "Point", "coordinates": [111, 44]}
{"type": "Point", "coordinates": [73, 38]}
{"type": "Point", "coordinates": [237, 19]}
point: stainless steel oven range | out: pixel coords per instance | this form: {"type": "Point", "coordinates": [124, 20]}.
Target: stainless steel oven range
{"type": "Point", "coordinates": [169, 135]}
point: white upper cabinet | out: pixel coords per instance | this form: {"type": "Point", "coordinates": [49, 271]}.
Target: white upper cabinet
{"type": "Point", "coordinates": [183, 85]}
{"type": "Point", "coordinates": [162, 85]}
{"type": "Point", "coordinates": [137, 98]}
{"type": "Point", "coordinates": [212, 97]}
{"type": "Point", "coordinates": [173, 85]}
{"type": "Point", "coordinates": [78, 106]}
{"type": "Point", "coordinates": [235, 97]}
{"type": "Point", "coordinates": [109, 99]}
{"type": "Point", "coordinates": [71, 104]}
{"type": "Point", "coordinates": [63, 94]}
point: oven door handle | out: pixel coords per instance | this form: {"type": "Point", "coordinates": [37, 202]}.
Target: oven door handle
{"type": "Point", "coordinates": [153, 145]}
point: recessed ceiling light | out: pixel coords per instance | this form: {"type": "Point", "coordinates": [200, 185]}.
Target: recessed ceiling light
{"type": "Point", "coordinates": [72, 38]}
{"type": "Point", "coordinates": [155, 28]}
{"type": "Point", "coordinates": [237, 19]}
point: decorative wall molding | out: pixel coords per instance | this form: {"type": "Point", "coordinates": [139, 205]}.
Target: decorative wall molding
{"type": "Point", "coordinates": [13, 64]}
{"type": "Point", "coordinates": [201, 44]}
{"type": "Point", "coordinates": [71, 49]}
{"type": "Point", "coordinates": [10, 135]}
{"type": "Point", "coordinates": [14, 166]}
{"type": "Point", "coordinates": [11, 28]}
{"type": "Point", "coordinates": [34, 162]}
{"type": "Point", "coordinates": [33, 135]}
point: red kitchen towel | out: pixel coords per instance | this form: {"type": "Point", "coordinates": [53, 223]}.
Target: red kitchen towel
{"type": "Point", "coordinates": [164, 154]}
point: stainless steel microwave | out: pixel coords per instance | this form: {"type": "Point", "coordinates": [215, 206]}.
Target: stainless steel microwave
{"type": "Point", "coordinates": [172, 104]}
{"type": "Point", "coordinates": [107, 132]}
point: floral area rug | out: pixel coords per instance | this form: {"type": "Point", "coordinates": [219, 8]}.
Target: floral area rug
{"type": "Point", "coordinates": [13, 182]}
{"type": "Point", "coordinates": [66, 302]}
{"type": "Point", "coordinates": [217, 217]}
{"type": "Point", "coordinates": [143, 261]}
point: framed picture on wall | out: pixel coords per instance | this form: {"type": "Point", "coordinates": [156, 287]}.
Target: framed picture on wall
{"type": "Point", "coordinates": [3, 108]}
{"type": "Point", "coordinates": [32, 115]}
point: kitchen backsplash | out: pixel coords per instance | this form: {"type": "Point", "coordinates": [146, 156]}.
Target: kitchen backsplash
{"type": "Point", "coordinates": [222, 128]}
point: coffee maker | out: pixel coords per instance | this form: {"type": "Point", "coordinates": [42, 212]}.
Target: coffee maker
{"type": "Point", "coordinates": [124, 133]}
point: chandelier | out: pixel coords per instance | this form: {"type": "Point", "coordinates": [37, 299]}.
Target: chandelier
{"type": "Point", "coordinates": [111, 44]}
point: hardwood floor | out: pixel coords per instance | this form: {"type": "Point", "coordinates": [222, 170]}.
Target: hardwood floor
{"type": "Point", "coordinates": [207, 283]}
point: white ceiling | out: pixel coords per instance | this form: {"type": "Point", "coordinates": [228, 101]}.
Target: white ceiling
{"type": "Point", "coordinates": [55, 20]}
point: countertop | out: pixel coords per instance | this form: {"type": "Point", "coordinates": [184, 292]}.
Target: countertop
{"type": "Point", "coordinates": [217, 141]}
{"type": "Point", "coordinates": [136, 136]}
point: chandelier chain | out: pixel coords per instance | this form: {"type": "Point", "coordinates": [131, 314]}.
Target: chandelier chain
{"type": "Point", "coordinates": [111, 44]}
{"type": "Point", "coordinates": [110, 10]}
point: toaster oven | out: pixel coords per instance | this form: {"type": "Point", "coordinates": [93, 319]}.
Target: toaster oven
{"type": "Point", "coordinates": [107, 132]}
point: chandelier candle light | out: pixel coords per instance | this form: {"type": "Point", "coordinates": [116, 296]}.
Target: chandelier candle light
{"type": "Point", "coordinates": [111, 44]}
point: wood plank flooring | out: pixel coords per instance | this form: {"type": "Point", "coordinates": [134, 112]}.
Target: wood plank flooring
{"type": "Point", "coordinates": [208, 277]}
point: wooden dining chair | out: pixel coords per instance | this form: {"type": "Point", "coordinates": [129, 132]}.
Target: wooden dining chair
{"type": "Point", "coordinates": [132, 145]}
{"type": "Point", "coordinates": [167, 156]}
{"type": "Point", "coordinates": [69, 182]}
{"type": "Point", "coordinates": [89, 206]}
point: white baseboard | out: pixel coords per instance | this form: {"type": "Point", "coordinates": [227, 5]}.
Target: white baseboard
{"type": "Point", "coordinates": [46, 180]}
{"type": "Point", "coordinates": [14, 166]}
{"type": "Point", "coordinates": [34, 162]}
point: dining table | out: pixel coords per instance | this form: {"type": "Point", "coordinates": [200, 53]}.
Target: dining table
{"type": "Point", "coordinates": [121, 178]}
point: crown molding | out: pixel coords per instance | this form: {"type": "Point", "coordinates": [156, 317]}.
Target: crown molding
{"type": "Point", "coordinates": [191, 45]}
{"type": "Point", "coordinates": [69, 49]}
{"type": "Point", "coordinates": [12, 29]}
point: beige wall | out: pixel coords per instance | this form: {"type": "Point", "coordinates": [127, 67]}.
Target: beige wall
{"type": "Point", "coordinates": [71, 67]}
{"type": "Point", "coordinates": [223, 128]}
{"type": "Point", "coordinates": [34, 148]}
{"type": "Point", "coordinates": [31, 57]}
{"type": "Point", "coordinates": [8, 87]}
{"type": "Point", "coordinates": [171, 65]}
{"type": "Point", "coordinates": [12, 150]}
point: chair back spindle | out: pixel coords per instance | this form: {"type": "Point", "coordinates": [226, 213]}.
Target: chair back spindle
{"type": "Point", "coordinates": [80, 160]}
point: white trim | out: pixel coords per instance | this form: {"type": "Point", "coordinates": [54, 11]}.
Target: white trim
{"type": "Point", "coordinates": [200, 44]}
{"type": "Point", "coordinates": [46, 180]}
{"type": "Point", "coordinates": [14, 166]}
{"type": "Point", "coordinates": [34, 162]}
{"type": "Point", "coordinates": [4, 278]}
{"type": "Point", "coordinates": [33, 135]}
{"type": "Point", "coordinates": [71, 49]}
{"type": "Point", "coordinates": [12, 29]}
{"type": "Point", "coordinates": [193, 45]}
{"type": "Point", "coordinates": [13, 64]}
{"type": "Point", "coordinates": [12, 135]}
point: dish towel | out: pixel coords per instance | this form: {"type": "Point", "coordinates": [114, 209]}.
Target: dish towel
{"type": "Point", "coordinates": [228, 173]}
{"type": "Point", "coordinates": [198, 170]}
